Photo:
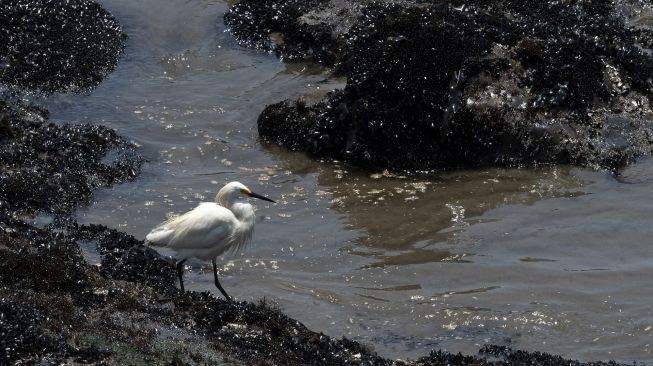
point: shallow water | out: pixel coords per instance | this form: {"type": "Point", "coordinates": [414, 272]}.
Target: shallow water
{"type": "Point", "coordinates": [553, 259]}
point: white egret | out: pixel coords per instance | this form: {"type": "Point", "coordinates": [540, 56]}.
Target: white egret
{"type": "Point", "coordinates": [210, 229]}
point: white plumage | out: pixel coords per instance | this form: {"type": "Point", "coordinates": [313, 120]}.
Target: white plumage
{"type": "Point", "coordinates": [210, 229]}
{"type": "Point", "coordinates": [206, 232]}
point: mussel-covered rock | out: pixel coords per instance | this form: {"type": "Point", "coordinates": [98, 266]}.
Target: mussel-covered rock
{"type": "Point", "coordinates": [53, 168]}
{"type": "Point", "coordinates": [57, 45]}
{"type": "Point", "coordinates": [434, 85]}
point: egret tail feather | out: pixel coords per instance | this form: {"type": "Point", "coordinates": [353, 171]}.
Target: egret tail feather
{"type": "Point", "coordinates": [159, 237]}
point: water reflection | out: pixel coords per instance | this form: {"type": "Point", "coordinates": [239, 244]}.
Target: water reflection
{"type": "Point", "coordinates": [412, 256]}
{"type": "Point", "coordinates": [415, 220]}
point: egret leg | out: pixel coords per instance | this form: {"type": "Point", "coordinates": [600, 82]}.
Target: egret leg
{"type": "Point", "coordinates": [217, 283]}
{"type": "Point", "coordinates": [180, 273]}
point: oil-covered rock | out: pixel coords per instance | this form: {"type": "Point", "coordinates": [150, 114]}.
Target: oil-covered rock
{"type": "Point", "coordinates": [435, 85]}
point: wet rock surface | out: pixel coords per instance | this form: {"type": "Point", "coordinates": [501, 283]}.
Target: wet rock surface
{"type": "Point", "coordinates": [434, 85]}
{"type": "Point", "coordinates": [497, 355]}
{"type": "Point", "coordinates": [54, 168]}
{"type": "Point", "coordinates": [57, 45]}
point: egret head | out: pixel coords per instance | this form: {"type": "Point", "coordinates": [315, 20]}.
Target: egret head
{"type": "Point", "coordinates": [232, 191]}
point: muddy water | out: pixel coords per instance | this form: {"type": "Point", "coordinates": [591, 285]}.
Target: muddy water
{"type": "Point", "coordinates": [552, 259]}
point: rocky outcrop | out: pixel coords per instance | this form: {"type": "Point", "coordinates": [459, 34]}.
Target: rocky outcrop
{"type": "Point", "coordinates": [57, 45]}
{"type": "Point", "coordinates": [435, 85]}
{"type": "Point", "coordinates": [53, 168]}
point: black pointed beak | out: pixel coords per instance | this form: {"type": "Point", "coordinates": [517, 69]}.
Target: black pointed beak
{"type": "Point", "coordinates": [255, 195]}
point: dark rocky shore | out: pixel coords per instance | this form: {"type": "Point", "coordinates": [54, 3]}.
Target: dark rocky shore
{"type": "Point", "coordinates": [55, 306]}
{"type": "Point", "coordinates": [437, 85]}
{"type": "Point", "coordinates": [51, 46]}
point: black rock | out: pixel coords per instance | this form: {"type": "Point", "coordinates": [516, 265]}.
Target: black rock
{"type": "Point", "coordinates": [435, 86]}
{"type": "Point", "coordinates": [57, 45]}
{"type": "Point", "coordinates": [54, 168]}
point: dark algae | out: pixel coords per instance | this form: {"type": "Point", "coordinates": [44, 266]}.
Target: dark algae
{"type": "Point", "coordinates": [443, 85]}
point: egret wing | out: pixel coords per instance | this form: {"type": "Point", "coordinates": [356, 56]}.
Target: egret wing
{"type": "Point", "coordinates": [207, 226]}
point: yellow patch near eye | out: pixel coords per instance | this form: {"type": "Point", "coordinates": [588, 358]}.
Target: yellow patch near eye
{"type": "Point", "coordinates": [245, 191]}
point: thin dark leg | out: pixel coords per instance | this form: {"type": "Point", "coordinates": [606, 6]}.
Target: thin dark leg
{"type": "Point", "coordinates": [180, 273]}
{"type": "Point", "coordinates": [217, 283]}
